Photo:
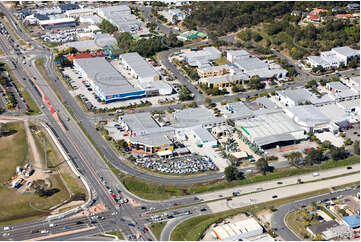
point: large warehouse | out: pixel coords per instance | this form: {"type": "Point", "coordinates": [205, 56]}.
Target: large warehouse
{"type": "Point", "coordinates": [108, 83]}
{"type": "Point", "coordinates": [270, 128]}
{"type": "Point", "coordinates": [238, 230]}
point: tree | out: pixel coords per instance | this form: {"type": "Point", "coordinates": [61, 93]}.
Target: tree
{"type": "Point", "coordinates": [294, 158]}
{"type": "Point", "coordinates": [107, 27]}
{"type": "Point", "coordinates": [314, 156]}
{"type": "Point", "coordinates": [256, 83]}
{"type": "Point", "coordinates": [232, 173]}
{"type": "Point", "coordinates": [262, 165]}
{"type": "Point", "coordinates": [356, 147]}
{"type": "Point", "coordinates": [338, 153]}
{"type": "Point", "coordinates": [312, 83]}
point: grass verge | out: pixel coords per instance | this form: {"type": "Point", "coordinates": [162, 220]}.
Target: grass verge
{"type": "Point", "coordinates": [118, 234]}
{"type": "Point", "coordinates": [192, 229]}
{"type": "Point", "coordinates": [157, 229]}
{"type": "Point", "coordinates": [155, 191]}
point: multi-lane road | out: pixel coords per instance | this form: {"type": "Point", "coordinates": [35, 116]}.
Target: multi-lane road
{"type": "Point", "coordinates": [84, 155]}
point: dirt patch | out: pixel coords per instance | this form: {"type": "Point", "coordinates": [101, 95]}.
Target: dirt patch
{"type": "Point", "coordinates": [99, 208]}
{"type": "Point", "coordinates": [265, 216]}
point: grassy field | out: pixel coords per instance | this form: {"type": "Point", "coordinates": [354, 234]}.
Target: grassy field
{"type": "Point", "coordinates": [155, 191]}
{"type": "Point", "coordinates": [118, 234]}
{"type": "Point", "coordinates": [157, 228]}
{"type": "Point", "coordinates": [296, 225]}
{"type": "Point", "coordinates": [16, 206]}
{"type": "Point", "coordinates": [28, 98]}
{"type": "Point", "coordinates": [13, 150]}
{"type": "Point", "coordinates": [192, 229]}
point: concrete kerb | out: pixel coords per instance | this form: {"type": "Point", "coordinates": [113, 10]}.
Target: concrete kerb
{"type": "Point", "coordinates": [72, 167]}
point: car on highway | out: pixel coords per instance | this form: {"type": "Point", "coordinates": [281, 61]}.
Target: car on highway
{"type": "Point", "coordinates": [143, 208]}
{"type": "Point", "coordinates": [79, 222]}
{"type": "Point", "coordinates": [274, 196]}
{"type": "Point", "coordinates": [203, 209]}
{"type": "Point", "coordinates": [229, 199]}
{"type": "Point", "coordinates": [279, 183]}
{"type": "Point", "coordinates": [175, 204]}
{"type": "Point", "coordinates": [145, 229]}
{"type": "Point", "coordinates": [35, 231]}
{"type": "Point", "coordinates": [349, 167]}
{"type": "Point", "coordinates": [131, 225]}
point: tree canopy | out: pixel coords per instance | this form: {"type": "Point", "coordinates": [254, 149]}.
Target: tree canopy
{"type": "Point", "coordinates": [107, 27]}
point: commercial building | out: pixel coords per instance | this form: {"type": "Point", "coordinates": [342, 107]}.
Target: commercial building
{"type": "Point", "coordinates": [197, 117]}
{"type": "Point", "coordinates": [224, 81]}
{"type": "Point", "coordinates": [145, 135]}
{"type": "Point", "coordinates": [214, 71]}
{"type": "Point", "coordinates": [237, 231]}
{"type": "Point", "coordinates": [204, 138]}
{"type": "Point", "coordinates": [57, 23]}
{"type": "Point", "coordinates": [90, 19]}
{"type": "Point", "coordinates": [309, 117]}
{"type": "Point", "coordinates": [337, 115]}
{"type": "Point", "coordinates": [107, 83]}
{"type": "Point", "coordinates": [202, 57]}
{"type": "Point", "coordinates": [334, 57]}
{"type": "Point", "coordinates": [76, 13]}
{"type": "Point", "coordinates": [253, 66]}
{"type": "Point", "coordinates": [99, 42]}
{"type": "Point", "coordinates": [299, 96]}
{"type": "Point", "coordinates": [341, 92]}
{"type": "Point", "coordinates": [122, 18]}
{"type": "Point", "coordinates": [191, 35]}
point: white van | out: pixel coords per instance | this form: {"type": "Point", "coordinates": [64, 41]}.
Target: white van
{"type": "Point", "coordinates": [315, 174]}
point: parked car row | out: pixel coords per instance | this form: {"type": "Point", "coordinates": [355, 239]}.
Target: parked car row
{"type": "Point", "coordinates": [63, 36]}
{"type": "Point", "coordinates": [178, 165]}
{"type": "Point", "coordinates": [89, 104]}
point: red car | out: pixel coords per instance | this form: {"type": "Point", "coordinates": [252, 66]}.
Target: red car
{"type": "Point", "coordinates": [113, 195]}
{"type": "Point", "coordinates": [145, 229]}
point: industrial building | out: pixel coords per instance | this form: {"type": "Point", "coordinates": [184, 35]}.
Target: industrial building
{"type": "Point", "coordinates": [237, 231]}
{"type": "Point", "coordinates": [90, 19]}
{"type": "Point", "coordinates": [57, 23]}
{"type": "Point", "coordinates": [99, 42]}
{"type": "Point", "coordinates": [147, 76]}
{"type": "Point", "coordinates": [299, 96]}
{"type": "Point", "coordinates": [122, 18]}
{"type": "Point", "coordinates": [253, 66]}
{"type": "Point", "coordinates": [204, 138]}
{"type": "Point", "coordinates": [201, 58]}
{"type": "Point", "coordinates": [214, 71]}
{"type": "Point", "coordinates": [269, 129]}
{"type": "Point", "coordinates": [107, 83]}
{"type": "Point", "coordinates": [76, 13]}
{"type": "Point", "coordinates": [334, 57]}
{"type": "Point", "coordinates": [341, 92]}
{"type": "Point", "coordinates": [309, 117]}
{"type": "Point", "coordinates": [150, 144]}
{"type": "Point", "coordinates": [139, 68]}
{"type": "Point", "coordinates": [197, 117]}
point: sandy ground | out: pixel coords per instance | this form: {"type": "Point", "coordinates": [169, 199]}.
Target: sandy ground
{"type": "Point", "coordinates": [95, 209]}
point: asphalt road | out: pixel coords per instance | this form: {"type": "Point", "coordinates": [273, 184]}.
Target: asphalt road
{"type": "Point", "coordinates": [278, 217]}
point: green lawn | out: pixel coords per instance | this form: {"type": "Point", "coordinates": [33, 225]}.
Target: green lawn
{"type": "Point", "coordinates": [155, 191]}
{"type": "Point", "coordinates": [192, 229]}
{"type": "Point", "coordinates": [294, 221]}
{"type": "Point", "coordinates": [157, 228]}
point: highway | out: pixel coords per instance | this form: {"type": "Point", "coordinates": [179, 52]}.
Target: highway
{"type": "Point", "coordinates": [84, 155]}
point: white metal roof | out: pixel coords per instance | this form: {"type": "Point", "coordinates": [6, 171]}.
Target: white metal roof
{"type": "Point", "coordinates": [141, 67]}
{"type": "Point", "coordinates": [104, 75]}
{"type": "Point", "coordinates": [225, 231]}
